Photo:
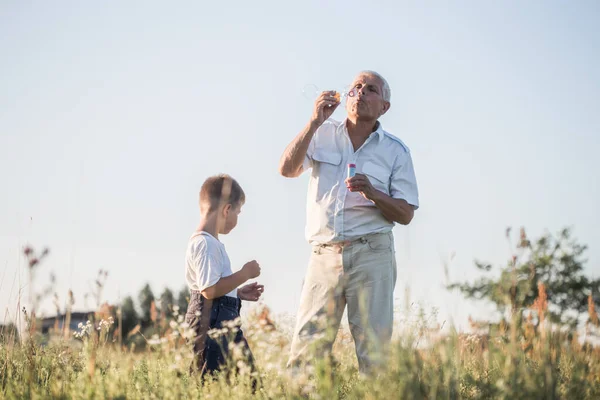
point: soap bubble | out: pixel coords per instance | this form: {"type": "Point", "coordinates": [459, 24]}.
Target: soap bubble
{"type": "Point", "coordinates": [312, 91]}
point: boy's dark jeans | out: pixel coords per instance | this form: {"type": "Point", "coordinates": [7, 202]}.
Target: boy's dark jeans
{"type": "Point", "coordinates": [203, 315]}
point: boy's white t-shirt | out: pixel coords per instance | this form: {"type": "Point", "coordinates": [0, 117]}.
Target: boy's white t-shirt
{"type": "Point", "coordinates": [206, 262]}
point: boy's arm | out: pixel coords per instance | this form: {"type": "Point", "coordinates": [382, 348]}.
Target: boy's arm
{"type": "Point", "coordinates": [227, 284]}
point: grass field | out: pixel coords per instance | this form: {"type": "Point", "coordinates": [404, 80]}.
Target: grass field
{"type": "Point", "coordinates": [518, 361]}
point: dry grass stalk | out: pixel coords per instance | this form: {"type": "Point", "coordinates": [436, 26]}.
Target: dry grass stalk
{"type": "Point", "coordinates": [593, 315]}
{"type": "Point", "coordinates": [540, 305]}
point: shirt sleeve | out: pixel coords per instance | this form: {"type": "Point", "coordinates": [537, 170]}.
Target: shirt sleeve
{"type": "Point", "coordinates": [209, 266]}
{"type": "Point", "coordinates": [403, 182]}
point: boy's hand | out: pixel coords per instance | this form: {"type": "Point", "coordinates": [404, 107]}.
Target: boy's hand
{"type": "Point", "coordinates": [251, 292]}
{"type": "Point", "coordinates": [251, 269]}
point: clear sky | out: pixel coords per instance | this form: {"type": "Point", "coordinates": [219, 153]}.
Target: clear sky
{"type": "Point", "coordinates": [113, 114]}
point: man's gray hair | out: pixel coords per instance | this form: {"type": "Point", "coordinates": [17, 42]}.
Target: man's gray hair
{"type": "Point", "coordinates": [387, 91]}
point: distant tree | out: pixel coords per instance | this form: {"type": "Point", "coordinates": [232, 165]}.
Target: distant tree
{"type": "Point", "coordinates": [167, 300]}
{"type": "Point", "coordinates": [182, 299]}
{"type": "Point", "coordinates": [556, 261]}
{"type": "Point", "coordinates": [146, 302]}
{"type": "Point", "coordinates": [130, 315]}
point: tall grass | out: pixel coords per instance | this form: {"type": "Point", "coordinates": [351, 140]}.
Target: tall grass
{"type": "Point", "coordinates": [520, 363]}
{"type": "Point", "coordinates": [522, 359]}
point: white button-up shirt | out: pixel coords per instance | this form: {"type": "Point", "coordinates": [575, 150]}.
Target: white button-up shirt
{"type": "Point", "coordinates": [333, 212]}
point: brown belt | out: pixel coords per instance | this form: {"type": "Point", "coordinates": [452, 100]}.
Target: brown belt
{"type": "Point", "coordinates": [345, 243]}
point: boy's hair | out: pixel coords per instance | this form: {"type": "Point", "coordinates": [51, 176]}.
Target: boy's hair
{"type": "Point", "coordinates": [220, 190]}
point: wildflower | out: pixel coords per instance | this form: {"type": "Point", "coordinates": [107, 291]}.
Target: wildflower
{"type": "Point", "coordinates": [155, 340]}
{"type": "Point", "coordinates": [308, 388]}
{"type": "Point", "coordinates": [189, 334]}
{"type": "Point", "coordinates": [237, 352]}
{"type": "Point", "coordinates": [214, 333]}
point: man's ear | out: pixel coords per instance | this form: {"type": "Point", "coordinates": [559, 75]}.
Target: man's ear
{"type": "Point", "coordinates": [386, 107]}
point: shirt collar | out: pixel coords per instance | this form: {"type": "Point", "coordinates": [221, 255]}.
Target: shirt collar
{"type": "Point", "coordinates": [379, 131]}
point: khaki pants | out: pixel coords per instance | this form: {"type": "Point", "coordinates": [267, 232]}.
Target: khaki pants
{"type": "Point", "coordinates": [360, 274]}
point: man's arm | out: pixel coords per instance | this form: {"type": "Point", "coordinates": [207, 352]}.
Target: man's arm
{"type": "Point", "coordinates": [403, 200]}
{"type": "Point", "coordinates": [396, 210]}
{"type": "Point", "coordinates": [227, 284]}
{"type": "Point", "coordinates": [290, 163]}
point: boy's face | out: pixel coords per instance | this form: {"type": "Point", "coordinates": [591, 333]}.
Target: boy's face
{"type": "Point", "coordinates": [230, 217]}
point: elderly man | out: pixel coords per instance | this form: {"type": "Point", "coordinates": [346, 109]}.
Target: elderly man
{"type": "Point", "coordinates": [350, 220]}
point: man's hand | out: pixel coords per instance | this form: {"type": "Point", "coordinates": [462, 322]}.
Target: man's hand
{"type": "Point", "coordinates": [360, 183]}
{"type": "Point", "coordinates": [395, 210]}
{"type": "Point", "coordinates": [325, 105]}
{"type": "Point", "coordinates": [251, 269]}
{"type": "Point", "coordinates": [292, 159]}
{"type": "Point", "coordinates": [251, 292]}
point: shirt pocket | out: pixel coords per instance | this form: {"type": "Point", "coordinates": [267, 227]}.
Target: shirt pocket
{"type": "Point", "coordinates": [378, 175]}
{"type": "Point", "coordinates": [326, 169]}
{"type": "Point", "coordinates": [331, 158]}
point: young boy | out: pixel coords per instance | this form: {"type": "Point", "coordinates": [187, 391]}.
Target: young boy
{"type": "Point", "coordinates": [215, 297]}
